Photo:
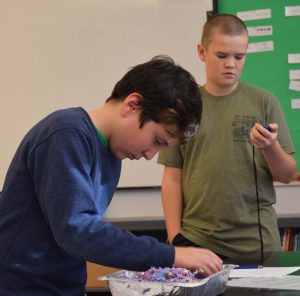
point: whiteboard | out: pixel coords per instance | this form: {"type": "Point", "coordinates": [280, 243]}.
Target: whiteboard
{"type": "Point", "coordinates": [60, 53]}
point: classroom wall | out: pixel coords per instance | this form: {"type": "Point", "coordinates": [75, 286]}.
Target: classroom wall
{"type": "Point", "coordinates": [271, 60]}
{"type": "Point", "coordinates": [146, 204]}
{"type": "Point", "coordinates": [52, 56]}
{"type": "Point", "coordinates": [59, 53]}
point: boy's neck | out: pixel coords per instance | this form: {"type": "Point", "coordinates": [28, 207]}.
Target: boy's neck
{"type": "Point", "coordinates": [220, 91]}
{"type": "Point", "coordinates": [104, 117]}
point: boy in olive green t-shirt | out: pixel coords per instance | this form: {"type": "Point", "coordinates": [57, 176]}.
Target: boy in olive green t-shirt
{"type": "Point", "coordinates": [208, 189]}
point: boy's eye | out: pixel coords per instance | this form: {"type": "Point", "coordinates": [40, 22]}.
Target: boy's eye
{"type": "Point", "coordinates": [239, 57]}
{"type": "Point", "coordinates": [221, 56]}
{"type": "Point", "coordinates": [157, 142]}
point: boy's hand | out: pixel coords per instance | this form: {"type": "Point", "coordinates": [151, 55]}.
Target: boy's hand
{"type": "Point", "coordinates": [197, 259]}
{"type": "Point", "coordinates": [261, 137]}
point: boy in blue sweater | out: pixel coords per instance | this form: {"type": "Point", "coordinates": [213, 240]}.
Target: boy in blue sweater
{"type": "Point", "coordinates": [63, 176]}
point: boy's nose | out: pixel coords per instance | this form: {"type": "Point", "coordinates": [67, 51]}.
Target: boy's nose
{"type": "Point", "coordinates": [148, 154]}
{"type": "Point", "coordinates": [230, 62]}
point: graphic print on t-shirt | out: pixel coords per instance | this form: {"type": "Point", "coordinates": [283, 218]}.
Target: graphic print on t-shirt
{"type": "Point", "coordinates": [241, 127]}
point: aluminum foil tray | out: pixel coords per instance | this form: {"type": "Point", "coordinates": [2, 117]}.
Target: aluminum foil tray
{"type": "Point", "coordinates": [122, 283]}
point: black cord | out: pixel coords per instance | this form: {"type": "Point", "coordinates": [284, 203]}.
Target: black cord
{"type": "Point", "coordinates": [258, 211]}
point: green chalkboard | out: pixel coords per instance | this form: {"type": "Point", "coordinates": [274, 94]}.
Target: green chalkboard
{"type": "Point", "coordinates": [270, 69]}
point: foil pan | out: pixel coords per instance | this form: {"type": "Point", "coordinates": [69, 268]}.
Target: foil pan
{"type": "Point", "coordinates": [122, 283]}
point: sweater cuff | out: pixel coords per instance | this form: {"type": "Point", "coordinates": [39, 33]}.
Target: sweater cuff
{"type": "Point", "coordinates": [164, 255]}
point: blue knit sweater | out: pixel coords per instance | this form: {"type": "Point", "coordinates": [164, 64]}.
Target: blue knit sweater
{"type": "Point", "coordinates": [58, 186]}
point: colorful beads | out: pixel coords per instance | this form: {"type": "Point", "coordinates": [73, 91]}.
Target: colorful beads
{"type": "Point", "coordinates": [169, 275]}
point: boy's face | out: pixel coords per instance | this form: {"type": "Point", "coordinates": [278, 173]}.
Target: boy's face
{"type": "Point", "coordinates": [131, 141]}
{"type": "Point", "coordinates": [224, 56]}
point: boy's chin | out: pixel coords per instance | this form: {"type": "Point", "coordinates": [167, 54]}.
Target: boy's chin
{"type": "Point", "coordinates": [118, 155]}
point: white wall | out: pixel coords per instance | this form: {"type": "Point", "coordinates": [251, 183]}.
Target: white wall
{"type": "Point", "coordinates": [288, 199]}
{"type": "Point", "coordinates": [60, 53]}
{"type": "Point", "coordinates": [146, 204]}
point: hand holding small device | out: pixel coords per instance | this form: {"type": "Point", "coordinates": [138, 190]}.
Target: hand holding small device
{"type": "Point", "coordinates": [263, 136]}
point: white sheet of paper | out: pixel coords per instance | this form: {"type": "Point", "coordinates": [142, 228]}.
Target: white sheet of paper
{"type": "Point", "coordinates": [294, 74]}
{"type": "Point", "coordinates": [287, 282]}
{"type": "Point", "coordinates": [262, 272]}
{"type": "Point", "coordinates": [294, 85]}
{"type": "Point", "coordinates": [254, 14]}
{"type": "Point", "coordinates": [260, 31]}
{"type": "Point", "coordinates": [260, 46]}
{"type": "Point", "coordinates": [294, 58]}
{"type": "Point", "coordinates": [295, 105]}
{"type": "Point", "coordinates": [292, 11]}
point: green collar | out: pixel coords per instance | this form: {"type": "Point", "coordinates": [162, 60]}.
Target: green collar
{"type": "Point", "coordinates": [102, 139]}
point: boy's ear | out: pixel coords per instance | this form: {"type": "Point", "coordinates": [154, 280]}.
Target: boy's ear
{"type": "Point", "coordinates": [130, 103]}
{"type": "Point", "coordinates": [201, 52]}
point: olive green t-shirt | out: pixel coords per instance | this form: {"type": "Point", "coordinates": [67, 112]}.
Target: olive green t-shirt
{"type": "Point", "coordinates": [219, 192]}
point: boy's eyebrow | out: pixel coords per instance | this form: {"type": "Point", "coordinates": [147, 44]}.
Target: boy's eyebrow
{"type": "Point", "coordinates": [221, 52]}
{"type": "Point", "coordinates": [226, 53]}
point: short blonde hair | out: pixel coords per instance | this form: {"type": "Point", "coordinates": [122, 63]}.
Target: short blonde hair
{"type": "Point", "coordinates": [226, 24]}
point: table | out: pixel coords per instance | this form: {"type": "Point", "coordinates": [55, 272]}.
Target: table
{"type": "Point", "coordinates": [271, 259]}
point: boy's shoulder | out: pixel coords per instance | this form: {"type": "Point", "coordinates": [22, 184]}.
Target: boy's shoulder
{"type": "Point", "coordinates": [246, 87]}
{"type": "Point", "coordinates": [67, 113]}
{"type": "Point", "coordinates": [61, 120]}
{"type": "Point", "coordinates": [66, 117]}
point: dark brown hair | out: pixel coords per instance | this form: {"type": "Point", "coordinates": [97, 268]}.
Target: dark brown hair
{"type": "Point", "coordinates": [170, 95]}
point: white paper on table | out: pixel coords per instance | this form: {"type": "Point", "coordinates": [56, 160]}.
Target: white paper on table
{"type": "Point", "coordinates": [286, 282]}
{"type": "Point", "coordinates": [292, 11]}
{"type": "Point", "coordinates": [260, 46]}
{"type": "Point", "coordinates": [295, 104]}
{"type": "Point", "coordinates": [294, 58]}
{"type": "Point", "coordinates": [294, 74]}
{"type": "Point", "coordinates": [260, 31]}
{"type": "Point", "coordinates": [294, 85]}
{"type": "Point", "coordinates": [254, 14]}
{"type": "Point", "coordinates": [262, 272]}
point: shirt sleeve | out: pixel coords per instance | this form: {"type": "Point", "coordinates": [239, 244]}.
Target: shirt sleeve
{"type": "Point", "coordinates": [171, 157]}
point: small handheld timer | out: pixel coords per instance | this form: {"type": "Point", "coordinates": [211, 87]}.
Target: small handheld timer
{"type": "Point", "coordinates": [266, 126]}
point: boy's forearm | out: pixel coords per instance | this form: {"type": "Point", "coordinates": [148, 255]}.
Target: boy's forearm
{"type": "Point", "coordinates": [172, 206]}
{"type": "Point", "coordinates": [173, 226]}
{"type": "Point", "coordinates": [281, 164]}
{"type": "Point", "coordinates": [172, 201]}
